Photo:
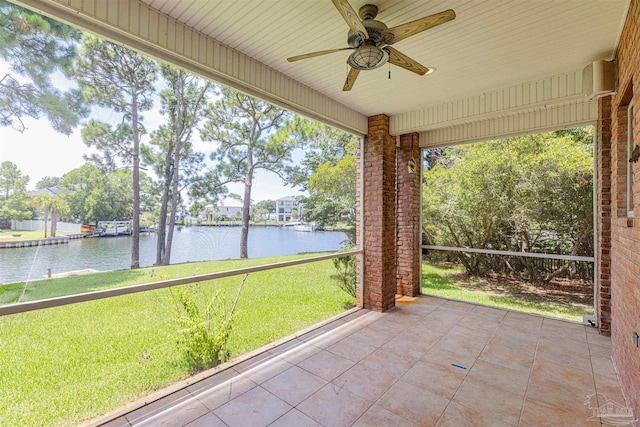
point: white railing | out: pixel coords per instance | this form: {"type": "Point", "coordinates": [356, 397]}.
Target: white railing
{"type": "Point", "coordinates": [114, 292]}
{"type": "Point", "coordinates": [511, 253]}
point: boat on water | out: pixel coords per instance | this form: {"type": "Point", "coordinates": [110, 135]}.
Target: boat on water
{"type": "Point", "coordinates": [304, 227]}
{"type": "Point", "coordinates": [85, 228]}
{"type": "Point", "coordinates": [117, 228]}
{"type": "Point", "coordinates": [300, 226]}
{"type": "Point", "coordinates": [114, 228]}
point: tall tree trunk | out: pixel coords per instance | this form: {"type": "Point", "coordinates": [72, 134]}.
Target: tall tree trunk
{"type": "Point", "coordinates": [175, 178]}
{"type": "Point", "coordinates": [162, 222]}
{"type": "Point", "coordinates": [46, 217]}
{"type": "Point", "coordinates": [54, 222]}
{"type": "Point", "coordinates": [135, 232]}
{"type": "Point", "coordinates": [246, 204]}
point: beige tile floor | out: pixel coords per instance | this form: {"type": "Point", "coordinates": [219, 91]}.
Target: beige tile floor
{"type": "Point", "coordinates": [429, 361]}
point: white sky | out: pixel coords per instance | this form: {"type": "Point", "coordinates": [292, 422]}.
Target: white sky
{"type": "Point", "coordinates": [40, 151]}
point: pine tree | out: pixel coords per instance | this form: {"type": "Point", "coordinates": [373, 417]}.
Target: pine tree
{"type": "Point", "coordinates": [171, 152]}
{"type": "Point", "coordinates": [35, 47]}
{"type": "Point", "coordinates": [115, 77]}
{"type": "Point", "coordinates": [246, 130]}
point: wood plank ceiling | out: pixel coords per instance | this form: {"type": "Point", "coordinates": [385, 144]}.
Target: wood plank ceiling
{"type": "Point", "coordinates": [490, 45]}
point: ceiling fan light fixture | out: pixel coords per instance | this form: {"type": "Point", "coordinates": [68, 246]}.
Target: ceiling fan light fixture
{"type": "Point", "coordinates": [368, 57]}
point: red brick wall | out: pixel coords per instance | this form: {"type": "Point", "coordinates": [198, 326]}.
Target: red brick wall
{"type": "Point", "coordinates": [625, 233]}
{"type": "Point", "coordinates": [408, 225]}
{"type": "Point", "coordinates": [359, 266]}
{"type": "Point", "coordinates": [603, 226]}
{"type": "Point", "coordinates": [379, 215]}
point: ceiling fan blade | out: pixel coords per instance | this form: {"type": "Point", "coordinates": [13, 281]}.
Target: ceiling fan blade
{"type": "Point", "coordinates": [351, 79]}
{"type": "Point", "coordinates": [403, 61]}
{"type": "Point", "coordinates": [409, 29]}
{"type": "Point", "coordinates": [319, 53]}
{"type": "Point", "coordinates": [351, 17]}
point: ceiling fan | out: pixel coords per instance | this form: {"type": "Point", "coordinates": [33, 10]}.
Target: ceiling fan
{"type": "Point", "coordinates": [371, 40]}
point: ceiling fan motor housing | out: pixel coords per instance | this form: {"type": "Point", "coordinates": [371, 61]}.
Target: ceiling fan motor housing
{"type": "Point", "coordinates": [377, 34]}
{"type": "Point", "coordinates": [355, 40]}
{"type": "Point", "coordinates": [376, 31]}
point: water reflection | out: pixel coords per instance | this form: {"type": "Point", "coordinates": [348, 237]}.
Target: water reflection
{"type": "Point", "coordinates": [189, 244]}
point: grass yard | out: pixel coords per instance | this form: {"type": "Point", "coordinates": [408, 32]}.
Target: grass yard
{"type": "Point", "coordinates": [63, 365]}
{"type": "Point", "coordinates": [49, 288]}
{"type": "Point", "coordinates": [565, 299]}
{"type": "Point", "coordinates": [8, 235]}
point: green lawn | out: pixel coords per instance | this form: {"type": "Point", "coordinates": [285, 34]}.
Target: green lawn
{"type": "Point", "coordinates": [450, 282]}
{"type": "Point", "coordinates": [49, 288]}
{"type": "Point", "coordinates": [63, 365]}
{"type": "Point", "coordinates": [7, 235]}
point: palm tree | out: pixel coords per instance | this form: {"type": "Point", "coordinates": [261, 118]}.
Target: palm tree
{"type": "Point", "coordinates": [53, 206]}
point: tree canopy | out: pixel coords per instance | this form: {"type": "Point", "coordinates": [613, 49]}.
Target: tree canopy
{"type": "Point", "coordinates": [246, 131]}
{"type": "Point", "coordinates": [171, 151]}
{"type": "Point", "coordinates": [531, 193]}
{"type": "Point", "coordinates": [13, 185]}
{"type": "Point", "coordinates": [95, 195]}
{"type": "Point", "coordinates": [322, 143]}
{"type": "Point", "coordinates": [36, 48]}
{"type": "Point", "coordinates": [327, 172]}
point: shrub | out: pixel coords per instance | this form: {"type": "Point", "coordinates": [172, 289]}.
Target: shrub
{"type": "Point", "coordinates": [204, 325]}
{"type": "Point", "coordinates": [346, 274]}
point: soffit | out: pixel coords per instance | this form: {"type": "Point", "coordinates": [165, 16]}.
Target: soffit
{"type": "Point", "coordinates": [490, 45]}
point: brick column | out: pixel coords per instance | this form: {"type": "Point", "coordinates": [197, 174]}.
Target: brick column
{"type": "Point", "coordinates": [603, 218]}
{"type": "Point", "coordinates": [408, 225]}
{"type": "Point", "coordinates": [379, 243]}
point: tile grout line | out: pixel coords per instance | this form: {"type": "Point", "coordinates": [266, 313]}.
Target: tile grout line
{"type": "Point", "coordinates": [202, 416]}
{"type": "Point", "coordinates": [395, 380]}
{"type": "Point", "coordinates": [474, 362]}
{"type": "Point", "coordinates": [535, 354]}
{"type": "Point", "coordinates": [329, 381]}
{"type": "Point", "coordinates": [239, 374]}
{"type": "Point", "coordinates": [593, 373]}
{"type": "Point", "coordinates": [279, 398]}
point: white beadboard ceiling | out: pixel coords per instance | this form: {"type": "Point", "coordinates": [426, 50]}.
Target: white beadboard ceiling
{"type": "Point", "coordinates": [489, 46]}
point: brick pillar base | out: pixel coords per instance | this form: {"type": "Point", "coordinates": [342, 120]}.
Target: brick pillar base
{"type": "Point", "coordinates": [379, 206]}
{"type": "Point", "coordinates": [409, 236]}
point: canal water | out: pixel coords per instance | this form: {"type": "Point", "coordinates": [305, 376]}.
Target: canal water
{"type": "Point", "coordinates": [189, 244]}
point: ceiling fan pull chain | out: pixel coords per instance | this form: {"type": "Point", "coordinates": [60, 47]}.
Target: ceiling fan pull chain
{"type": "Point", "coordinates": [389, 70]}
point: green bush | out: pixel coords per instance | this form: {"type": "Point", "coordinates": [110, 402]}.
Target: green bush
{"type": "Point", "coordinates": [346, 274]}
{"type": "Point", "coordinates": [204, 323]}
